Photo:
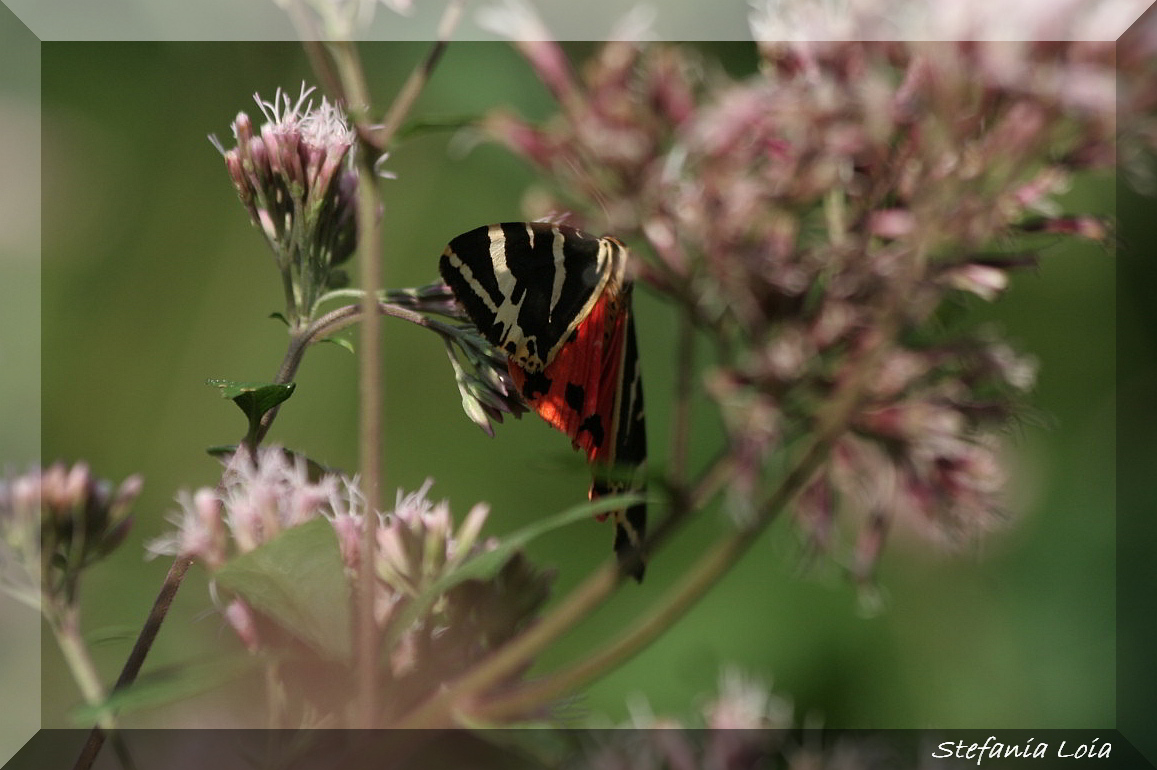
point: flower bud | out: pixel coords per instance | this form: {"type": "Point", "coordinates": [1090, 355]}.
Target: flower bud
{"type": "Point", "coordinates": [71, 516]}
{"type": "Point", "coordinates": [238, 615]}
{"type": "Point", "coordinates": [296, 179]}
{"type": "Point", "coordinates": [984, 281]}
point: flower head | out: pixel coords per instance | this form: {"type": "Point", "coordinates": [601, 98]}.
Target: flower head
{"type": "Point", "coordinates": [743, 725]}
{"type": "Point", "coordinates": [745, 703]}
{"type": "Point", "coordinates": [295, 176]}
{"type": "Point", "coordinates": [418, 549]}
{"type": "Point", "coordinates": [57, 521]}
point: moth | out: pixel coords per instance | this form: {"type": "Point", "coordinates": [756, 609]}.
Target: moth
{"type": "Point", "coordinates": [556, 301]}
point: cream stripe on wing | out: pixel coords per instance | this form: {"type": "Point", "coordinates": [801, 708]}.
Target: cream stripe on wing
{"type": "Point", "coordinates": [559, 270]}
{"type": "Point", "coordinates": [506, 313]}
{"type": "Point", "coordinates": [468, 276]}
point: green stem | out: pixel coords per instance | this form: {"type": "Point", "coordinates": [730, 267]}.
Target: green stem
{"type": "Point", "coordinates": [348, 315]}
{"type": "Point", "coordinates": [399, 297]}
{"type": "Point", "coordinates": [371, 392]}
{"type": "Point", "coordinates": [139, 652]}
{"type": "Point", "coordinates": [352, 78]}
{"type": "Point", "coordinates": [370, 386]}
{"type": "Point", "coordinates": [319, 61]}
{"type": "Point", "coordinates": [298, 341]}
{"type": "Point", "coordinates": [383, 135]}
{"type": "Point", "coordinates": [65, 624]}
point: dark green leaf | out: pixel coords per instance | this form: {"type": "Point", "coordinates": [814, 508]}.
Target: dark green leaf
{"type": "Point", "coordinates": [280, 317]}
{"type": "Point", "coordinates": [298, 581]}
{"type": "Point", "coordinates": [416, 128]}
{"type": "Point", "coordinates": [111, 635]}
{"type": "Point", "coordinates": [222, 451]}
{"type": "Point", "coordinates": [254, 398]}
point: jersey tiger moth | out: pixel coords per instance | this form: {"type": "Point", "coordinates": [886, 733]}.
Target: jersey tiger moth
{"type": "Point", "coordinates": [556, 301]}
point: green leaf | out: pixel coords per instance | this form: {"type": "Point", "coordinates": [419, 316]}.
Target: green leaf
{"type": "Point", "coordinates": [165, 685]}
{"type": "Point", "coordinates": [298, 580]}
{"type": "Point", "coordinates": [342, 343]}
{"type": "Point", "coordinates": [280, 317]}
{"type": "Point", "coordinates": [416, 128]}
{"type": "Point", "coordinates": [487, 564]}
{"type": "Point", "coordinates": [253, 398]}
{"type": "Point", "coordinates": [221, 452]}
{"type": "Point", "coordinates": [111, 635]}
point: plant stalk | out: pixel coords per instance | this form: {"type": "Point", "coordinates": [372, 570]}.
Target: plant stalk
{"type": "Point", "coordinates": [65, 623]}
{"type": "Point", "coordinates": [136, 659]}
{"type": "Point", "coordinates": [370, 385]}
{"type": "Point", "coordinates": [382, 136]}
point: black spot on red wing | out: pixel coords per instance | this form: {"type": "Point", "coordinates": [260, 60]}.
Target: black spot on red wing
{"type": "Point", "coordinates": [575, 396]}
{"type": "Point", "coordinates": [594, 426]}
{"type": "Point", "coordinates": [535, 383]}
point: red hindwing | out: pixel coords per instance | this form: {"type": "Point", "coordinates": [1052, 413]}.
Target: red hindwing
{"type": "Point", "coordinates": [575, 393]}
{"type": "Point", "coordinates": [557, 302]}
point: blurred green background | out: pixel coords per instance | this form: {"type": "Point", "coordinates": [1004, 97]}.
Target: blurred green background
{"type": "Point", "coordinates": [154, 280]}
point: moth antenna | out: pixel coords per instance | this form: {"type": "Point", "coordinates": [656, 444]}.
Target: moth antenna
{"type": "Point", "coordinates": [592, 190]}
{"type": "Point", "coordinates": [555, 218]}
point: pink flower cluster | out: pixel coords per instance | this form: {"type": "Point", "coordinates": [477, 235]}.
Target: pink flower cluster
{"type": "Point", "coordinates": [824, 207]}
{"type": "Point", "coordinates": [418, 547]}
{"type": "Point", "coordinates": [56, 521]}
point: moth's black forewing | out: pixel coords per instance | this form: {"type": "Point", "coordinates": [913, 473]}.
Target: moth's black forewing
{"type": "Point", "coordinates": [583, 274]}
{"type": "Point", "coordinates": [548, 305]}
{"type": "Point", "coordinates": [479, 290]}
